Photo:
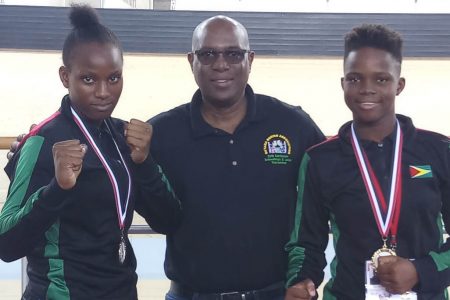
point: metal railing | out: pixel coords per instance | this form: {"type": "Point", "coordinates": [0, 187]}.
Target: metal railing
{"type": "Point", "coordinates": [5, 141]}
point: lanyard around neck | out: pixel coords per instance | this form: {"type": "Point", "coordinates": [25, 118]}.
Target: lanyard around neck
{"type": "Point", "coordinates": [376, 197]}
{"type": "Point", "coordinates": [120, 207]}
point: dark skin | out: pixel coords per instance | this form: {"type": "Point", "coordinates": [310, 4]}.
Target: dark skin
{"type": "Point", "coordinates": [68, 155]}
{"type": "Point", "coordinates": [371, 82]}
{"type": "Point", "coordinates": [222, 84]}
{"type": "Point", "coordinates": [136, 132]}
{"type": "Point", "coordinates": [304, 290]}
{"type": "Point", "coordinates": [94, 82]}
{"type": "Point", "coordinates": [398, 275]}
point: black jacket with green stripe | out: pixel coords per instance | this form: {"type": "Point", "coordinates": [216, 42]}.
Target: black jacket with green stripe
{"type": "Point", "coordinates": [71, 238]}
{"type": "Point", "coordinates": [331, 190]}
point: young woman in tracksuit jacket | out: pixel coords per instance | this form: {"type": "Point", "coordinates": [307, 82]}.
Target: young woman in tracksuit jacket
{"type": "Point", "coordinates": [77, 178]}
{"type": "Point", "coordinates": [367, 209]}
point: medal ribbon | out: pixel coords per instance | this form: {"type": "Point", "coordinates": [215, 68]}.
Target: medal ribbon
{"type": "Point", "coordinates": [121, 211]}
{"type": "Point", "coordinates": [376, 197]}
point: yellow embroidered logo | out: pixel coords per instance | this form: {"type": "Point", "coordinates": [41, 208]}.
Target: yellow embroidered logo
{"type": "Point", "coordinates": [277, 149]}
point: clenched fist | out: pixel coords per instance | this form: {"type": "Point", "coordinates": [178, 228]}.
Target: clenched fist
{"type": "Point", "coordinates": [68, 159]}
{"type": "Point", "coordinates": [138, 135]}
{"type": "Point", "coordinates": [398, 275]}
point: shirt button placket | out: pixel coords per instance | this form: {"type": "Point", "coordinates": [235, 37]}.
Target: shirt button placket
{"type": "Point", "coordinates": [233, 162]}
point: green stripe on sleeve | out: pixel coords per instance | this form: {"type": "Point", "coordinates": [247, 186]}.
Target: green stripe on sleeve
{"type": "Point", "coordinates": [301, 190]}
{"type": "Point", "coordinates": [295, 262]}
{"type": "Point", "coordinates": [327, 294]}
{"type": "Point", "coordinates": [296, 254]}
{"type": "Point", "coordinates": [167, 183]}
{"type": "Point", "coordinates": [13, 211]}
{"type": "Point", "coordinates": [58, 288]}
{"type": "Point", "coordinates": [440, 225]}
{"type": "Point", "coordinates": [442, 260]}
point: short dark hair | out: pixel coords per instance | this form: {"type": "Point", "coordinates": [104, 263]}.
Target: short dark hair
{"type": "Point", "coordinates": [374, 36]}
{"type": "Point", "coordinates": [86, 29]}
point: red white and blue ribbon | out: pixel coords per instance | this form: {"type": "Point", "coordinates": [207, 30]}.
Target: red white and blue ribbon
{"type": "Point", "coordinates": [121, 209]}
{"type": "Point", "coordinates": [377, 201]}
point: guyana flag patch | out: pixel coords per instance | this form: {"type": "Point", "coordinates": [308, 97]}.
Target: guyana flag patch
{"type": "Point", "coordinates": [420, 171]}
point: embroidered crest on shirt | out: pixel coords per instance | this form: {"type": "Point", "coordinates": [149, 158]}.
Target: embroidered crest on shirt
{"type": "Point", "coordinates": [277, 149]}
{"type": "Point", "coordinates": [420, 171]}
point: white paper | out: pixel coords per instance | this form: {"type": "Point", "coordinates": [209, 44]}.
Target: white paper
{"type": "Point", "coordinates": [374, 291]}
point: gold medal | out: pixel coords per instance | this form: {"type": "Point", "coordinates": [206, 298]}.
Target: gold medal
{"type": "Point", "coordinates": [122, 250]}
{"type": "Point", "coordinates": [384, 251]}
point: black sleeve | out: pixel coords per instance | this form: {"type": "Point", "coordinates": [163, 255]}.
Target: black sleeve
{"type": "Point", "coordinates": [309, 238]}
{"type": "Point", "coordinates": [434, 269]}
{"type": "Point", "coordinates": [33, 203]}
{"type": "Point", "coordinates": [156, 201]}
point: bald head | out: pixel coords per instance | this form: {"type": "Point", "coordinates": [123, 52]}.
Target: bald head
{"type": "Point", "coordinates": [216, 24]}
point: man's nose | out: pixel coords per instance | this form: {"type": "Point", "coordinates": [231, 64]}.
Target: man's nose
{"type": "Point", "coordinates": [220, 62]}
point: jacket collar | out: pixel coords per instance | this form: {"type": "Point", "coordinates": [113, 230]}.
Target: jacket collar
{"type": "Point", "coordinates": [406, 124]}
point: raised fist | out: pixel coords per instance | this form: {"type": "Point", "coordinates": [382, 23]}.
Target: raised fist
{"type": "Point", "coordinates": [138, 135]}
{"type": "Point", "coordinates": [68, 159]}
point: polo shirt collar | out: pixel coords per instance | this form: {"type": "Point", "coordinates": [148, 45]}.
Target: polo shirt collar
{"type": "Point", "coordinates": [201, 128]}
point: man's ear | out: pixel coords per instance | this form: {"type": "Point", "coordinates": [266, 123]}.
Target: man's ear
{"type": "Point", "coordinates": [190, 57]}
{"type": "Point", "coordinates": [400, 85]}
{"type": "Point", "coordinates": [342, 83]}
{"type": "Point", "coordinates": [251, 56]}
{"type": "Point", "coordinates": [64, 76]}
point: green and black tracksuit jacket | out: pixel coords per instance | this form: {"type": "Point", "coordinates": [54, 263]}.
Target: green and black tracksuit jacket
{"type": "Point", "coordinates": [331, 191]}
{"type": "Point", "coordinates": [71, 238]}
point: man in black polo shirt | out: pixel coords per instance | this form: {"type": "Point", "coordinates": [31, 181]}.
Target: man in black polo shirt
{"type": "Point", "coordinates": [232, 157]}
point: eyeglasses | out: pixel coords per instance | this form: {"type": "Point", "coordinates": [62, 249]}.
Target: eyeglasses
{"type": "Point", "coordinates": [231, 56]}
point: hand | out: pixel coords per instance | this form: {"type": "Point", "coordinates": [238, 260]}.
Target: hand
{"type": "Point", "coordinates": [138, 135]}
{"type": "Point", "coordinates": [398, 275]}
{"type": "Point", "coordinates": [304, 290]}
{"type": "Point", "coordinates": [68, 158]}
{"type": "Point", "coordinates": [14, 145]}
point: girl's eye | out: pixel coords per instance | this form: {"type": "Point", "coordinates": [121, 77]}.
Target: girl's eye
{"type": "Point", "coordinates": [88, 79]}
{"type": "Point", "coordinates": [115, 78]}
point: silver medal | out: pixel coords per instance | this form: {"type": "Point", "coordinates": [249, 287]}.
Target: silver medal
{"type": "Point", "coordinates": [122, 250]}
